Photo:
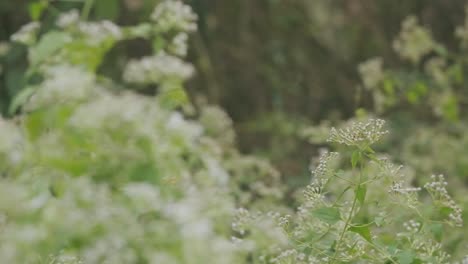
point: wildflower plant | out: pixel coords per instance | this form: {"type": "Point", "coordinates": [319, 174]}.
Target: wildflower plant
{"type": "Point", "coordinates": [94, 171]}
{"type": "Point", "coordinates": [368, 214]}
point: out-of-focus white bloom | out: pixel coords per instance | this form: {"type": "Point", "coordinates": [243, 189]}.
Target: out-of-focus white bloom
{"type": "Point", "coordinates": [177, 124]}
{"type": "Point", "coordinates": [4, 48]}
{"type": "Point", "coordinates": [436, 68]}
{"type": "Point", "coordinates": [107, 110]}
{"type": "Point", "coordinates": [27, 33]}
{"type": "Point", "coordinates": [64, 259]}
{"type": "Point", "coordinates": [11, 142]}
{"type": "Point", "coordinates": [68, 19]}
{"type": "Point", "coordinates": [63, 84]}
{"type": "Point", "coordinates": [157, 69]}
{"type": "Point", "coordinates": [145, 196]}
{"type": "Point", "coordinates": [462, 31]}
{"type": "Point", "coordinates": [216, 171]}
{"type": "Point", "coordinates": [414, 41]}
{"type": "Point", "coordinates": [98, 32]}
{"type": "Point", "coordinates": [179, 44]}
{"type": "Point", "coordinates": [371, 72]}
{"type": "Point", "coordinates": [174, 15]}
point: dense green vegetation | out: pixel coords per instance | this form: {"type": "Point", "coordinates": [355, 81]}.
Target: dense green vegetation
{"type": "Point", "coordinates": [163, 131]}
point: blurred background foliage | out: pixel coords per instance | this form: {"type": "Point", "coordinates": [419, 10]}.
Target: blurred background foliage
{"type": "Point", "coordinates": [282, 67]}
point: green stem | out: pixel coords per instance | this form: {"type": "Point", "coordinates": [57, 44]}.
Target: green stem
{"type": "Point", "coordinates": [350, 216]}
{"type": "Point", "coordinates": [86, 9]}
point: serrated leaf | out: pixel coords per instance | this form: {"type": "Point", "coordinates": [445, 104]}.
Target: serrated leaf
{"type": "Point", "coordinates": [363, 231]}
{"type": "Point", "coordinates": [361, 193]}
{"type": "Point", "coordinates": [329, 215]}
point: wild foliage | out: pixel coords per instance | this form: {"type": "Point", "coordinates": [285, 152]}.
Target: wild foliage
{"type": "Point", "coordinates": [103, 169]}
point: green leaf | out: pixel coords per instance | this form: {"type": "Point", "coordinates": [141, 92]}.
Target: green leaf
{"type": "Point", "coordinates": [48, 45]}
{"type": "Point", "coordinates": [445, 211]}
{"type": "Point", "coordinates": [437, 231]}
{"type": "Point", "coordinates": [57, 187]}
{"type": "Point", "coordinates": [361, 193]}
{"type": "Point", "coordinates": [362, 230]}
{"type": "Point", "coordinates": [379, 220]}
{"type": "Point", "coordinates": [173, 98]}
{"type": "Point", "coordinates": [36, 9]}
{"type": "Point", "coordinates": [405, 257]}
{"type": "Point", "coordinates": [355, 158]}
{"type": "Point", "coordinates": [21, 99]}
{"type": "Point", "coordinates": [329, 215]}
{"type": "Point", "coordinates": [389, 87]}
{"type": "Point", "coordinates": [450, 108]}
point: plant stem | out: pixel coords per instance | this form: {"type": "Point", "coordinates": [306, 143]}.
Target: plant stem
{"type": "Point", "coordinates": [86, 9]}
{"type": "Point", "coordinates": [350, 216]}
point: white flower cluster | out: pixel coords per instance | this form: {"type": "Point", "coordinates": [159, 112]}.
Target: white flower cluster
{"type": "Point", "coordinates": [371, 72]}
{"type": "Point", "coordinates": [289, 256]}
{"type": "Point", "coordinates": [437, 189]}
{"type": "Point", "coordinates": [64, 259]}
{"type": "Point", "coordinates": [11, 143]}
{"type": "Point", "coordinates": [313, 191]}
{"type": "Point", "coordinates": [242, 219]}
{"type": "Point", "coordinates": [414, 41]}
{"type": "Point", "coordinates": [95, 33]}
{"type": "Point", "coordinates": [63, 84]}
{"type": "Point", "coordinates": [70, 18]}
{"type": "Point", "coordinates": [174, 15]}
{"type": "Point", "coordinates": [157, 69]}
{"type": "Point", "coordinates": [27, 33]}
{"type": "Point", "coordinates": [323, 168]}
{"type": "Point", "coordinates": [98, 32]}
{"type": "Point", "coordinates": [359, 134]}
{"type": "Point", "coordinates": [412, 226]}
{"type": "Point", "coordinates": [179, 44]}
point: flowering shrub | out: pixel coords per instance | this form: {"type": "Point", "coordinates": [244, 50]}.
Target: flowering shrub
{"type": "Point", "coordinates": [369, 213]}
{"type": "Point", "coordinates": [432, 81]}
{"type": "Point", "coordinates": [94, 172]}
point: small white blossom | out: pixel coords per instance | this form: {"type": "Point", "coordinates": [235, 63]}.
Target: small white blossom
{"type": "Point", "coordinates": [414, 41]}
{"type": "Point", "coordinates": [157, 69]}
{"type": "Point", "coordinates": [27, 33]}
{"type": "Point", "coordinates": [68, 19]}
{"type": "Point", "coordinates": [359, 134]}
{"type": "Point", "coordinates": [174, 15]}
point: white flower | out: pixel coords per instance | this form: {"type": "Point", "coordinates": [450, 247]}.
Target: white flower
{"type": "Point", "coordinates": [371, 72]}
{"type": "Point", "coordinates": [174, 15]}
{"type": "Point", "coordinates": [68, 19]}
{"type": "Point", "coordinates": [359, 134]}
{"type": "Point", "coordinates": [63, 84]}
{"type": "Point", "coordinates": [414, 41]}
{"type": "Point", "coordinates": [27, 34]}
{"type": "Point", "coordinates": [157, 69]}
{"type": "Point", "coordinates": [98, 32]}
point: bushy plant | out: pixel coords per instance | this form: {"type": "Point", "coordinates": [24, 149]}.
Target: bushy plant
{"type": "Point", "coordinates": [97, 169]}
{"type": "Point", "coordinates": [370, 213]}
